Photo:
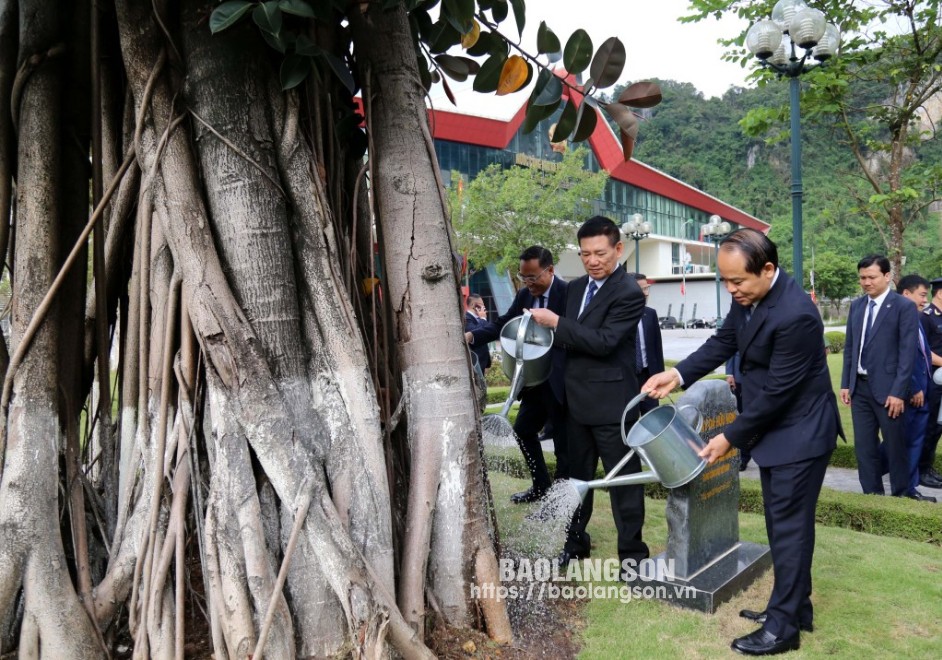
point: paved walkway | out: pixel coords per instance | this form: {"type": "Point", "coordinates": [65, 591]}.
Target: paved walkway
{"type": "Point", "coordinates": [845, 479]}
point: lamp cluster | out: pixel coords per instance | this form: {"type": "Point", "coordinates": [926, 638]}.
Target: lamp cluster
{"type": "Point", "coordinates": [804, 26]}
{"type": "Point", "coordinates": [637, 228]}
{"type": "Point", "coordinates": [716, 229]}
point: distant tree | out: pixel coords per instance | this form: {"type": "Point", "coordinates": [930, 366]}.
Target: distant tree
{"type": "Point", "coordinates": [502, 211]}
{"type": "Point", "coordinates": [876, 96]}
{"type": "Point", "coordinates": [835, 276]}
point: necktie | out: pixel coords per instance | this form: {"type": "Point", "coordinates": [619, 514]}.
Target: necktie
{"type": "Point", "coordinates": [866, 336]}
{"type": "Point", "coordinates": [543, 302]}
{"type": "Point", "coordinates": [748, 314]}
{"type": "Point", "coordinates": [593, 287]}
{"type": "Point", "coordinates": [639, 354]}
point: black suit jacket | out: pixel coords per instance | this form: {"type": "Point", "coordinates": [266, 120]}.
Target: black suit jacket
{"type": "Point", "coordinates": [653, 349]}
{"type": "Point", "coordinates": [891, 344]}
{"type": "Point", "coordinates": [789, 408]}
{"type": "Point", "coordinates": [556, 302]}
{"type": "Point", "coordinates": [471, 323]}
{"type": "Point", "coordinates": [600, 348]}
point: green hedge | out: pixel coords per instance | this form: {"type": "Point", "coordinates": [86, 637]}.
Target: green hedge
{"type": "Point", "coordinates": [882, 516]}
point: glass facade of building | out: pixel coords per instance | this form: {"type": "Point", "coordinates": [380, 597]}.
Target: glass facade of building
{"type": "Point", "coordinates": [620, 200]}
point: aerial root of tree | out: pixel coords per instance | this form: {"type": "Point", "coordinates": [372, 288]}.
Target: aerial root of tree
{"type": "Point", "coordinates": [248, 440]}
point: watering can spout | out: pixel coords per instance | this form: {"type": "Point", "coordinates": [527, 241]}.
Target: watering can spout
{"type": "Point", "coordinates": [583, 487]}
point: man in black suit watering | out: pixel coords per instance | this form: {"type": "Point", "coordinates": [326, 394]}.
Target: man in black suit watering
{"type": "Point", "coordinates": [789, 420]}
{"type": "Point", "coordinates": [598, 332]}
{"type": "Point", "coordinates": [546, 401]}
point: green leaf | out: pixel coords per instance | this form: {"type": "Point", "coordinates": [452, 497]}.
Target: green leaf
{"type": "Point", "coordinates": [586, 122]}
{"type": "Point", "coordinates": [546, 40]}
{"type": "Point", "coordinates": [228, 14]}
{"type": "Point", "coordinates": [536, 114]}
{"type": "Point", "coordinates": [304, 46]}
{"type": "Point", "coordinates": [459, 13]}
{"type": "Point", "coordinates": [520, 14]}
{"type": "Point", "coordinates": [339, 67]}
{"type": "Point", "coordinates": [499, 11]}
{"type": "Point", "coordinates": [296, 7]}
{"type": "Point", "coordinates": [489, 76]}
{"type": "Point", "coordinates": [578, 52]}
{"type": "Point", "coordinates": [567, 122]}
{"type": "Point", "coordinates": [274, 40]}
{"type": "Point", "coordinates": [483, 46]}
{"type": "Point", "coordinates": [294, 69]}
{"type": "Point", "coordinates": [551, 90]}
{"type": "Point", "coordinates": [445, 37]}
{"type": "Point", "coordinates": [454, 67]}
{"type": "Point", "coordinates": [608, 63]}
{"type": "Point", "coordinates": [268, 17]}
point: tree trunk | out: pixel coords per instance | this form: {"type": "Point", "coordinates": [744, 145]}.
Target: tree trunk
{"type": "Point", "coordinates": [446, 531]}
{"type": "Point", "coordinates": [251, 442]}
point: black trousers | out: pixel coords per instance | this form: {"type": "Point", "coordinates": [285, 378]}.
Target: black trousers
{"type": "Point", "coordinates": [933, 429]}
{"type": "Point", "coordinates": [871, 418]}
{"type": "Point", "coordinates": [647, 404]}
{"type": "Point", "coordinates": [537, 405]}
{"type": "Point", "coordinates": [790, 495]}
{"type": "Point", "coordinates": [587, 444]}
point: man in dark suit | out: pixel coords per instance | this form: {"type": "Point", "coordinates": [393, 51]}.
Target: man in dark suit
{"type": "Point", "coordinates": [734, 380]}
{"type": "Point", "coordinates": [649, 353]}
{"type": "Point", "coordinates": [932, 325]}
{"type": "Point", "coordinates": [915, 288]}
{"type": "Point", "coordinates": [475, 317]}
{"type": "Point", "coordinates": [598, 331]}
{"type": "Point", "coordinates": [789, 420]}
{"type": "Point", "coordinates": [878, 364]}
{"type": "Point", "coordinates": [546, 401]}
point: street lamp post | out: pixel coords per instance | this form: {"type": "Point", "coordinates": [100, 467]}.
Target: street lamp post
{"type": "Point", "coordinates": [715, 231]}
{"type": "Point", "coordinates": [637, 228]}
{"type": "Point", "coordinates": [807, 29]}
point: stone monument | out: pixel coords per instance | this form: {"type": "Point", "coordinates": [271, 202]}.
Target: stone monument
{"type": "Point", "coordinates": [703, 519]}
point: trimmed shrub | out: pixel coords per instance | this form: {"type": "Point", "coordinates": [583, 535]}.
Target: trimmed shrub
{"type": "Point", "coordinates": [834, 341]}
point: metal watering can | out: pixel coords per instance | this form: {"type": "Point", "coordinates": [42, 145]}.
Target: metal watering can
{"type": "Point", "coordinates": [666, 441]}
{"type": "Point", "coordinates": [526, 358]}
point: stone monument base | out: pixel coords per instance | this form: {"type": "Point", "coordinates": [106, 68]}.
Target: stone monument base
{"type": "Point", "coordinates": [718, 581]}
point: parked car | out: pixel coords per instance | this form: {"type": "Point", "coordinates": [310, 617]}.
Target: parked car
{"type": "Point", "coordinates": [667, 322]}
{"type": "Point", "coordinates": [697, 323]}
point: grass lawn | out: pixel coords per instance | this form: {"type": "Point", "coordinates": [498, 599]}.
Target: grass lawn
{"type": "Point", "coordinates": [874, 596]}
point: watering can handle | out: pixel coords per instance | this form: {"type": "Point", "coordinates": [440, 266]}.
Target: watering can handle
{"type": "Point", "coordinates": [699, 424]}
{"type": "Point", "coordinates": [631, 404]}
{"type": "Point", "coordinates": [522, 333]}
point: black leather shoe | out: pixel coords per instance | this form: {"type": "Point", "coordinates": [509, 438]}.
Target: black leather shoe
{"type": "Point", "coordinates": [762, 642]}
{"type": "Point", "coordinates": [760, 617]}
{"type": "Point", "coordinates": [527, 496]}
{"type": "Point", "coordinates": [565, 557]}
{"type": "Point", "coordinates": [916, 495]}
{"type": "Point", "coordinates": [929, 480]}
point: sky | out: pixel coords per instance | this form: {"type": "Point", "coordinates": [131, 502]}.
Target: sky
{"type": "Point", "coordinates": [657, 45]}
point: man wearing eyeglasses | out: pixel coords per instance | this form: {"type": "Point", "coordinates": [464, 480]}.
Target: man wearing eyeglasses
{"type": "Point", "coordinates": [544, 402]}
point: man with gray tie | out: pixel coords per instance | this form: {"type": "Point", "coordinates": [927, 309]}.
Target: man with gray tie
{"type": "Point", "coordinates": [878, 363]}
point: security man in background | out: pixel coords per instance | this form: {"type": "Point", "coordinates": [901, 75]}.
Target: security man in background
{"type": "Point", "coordinates": [931, 319]}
